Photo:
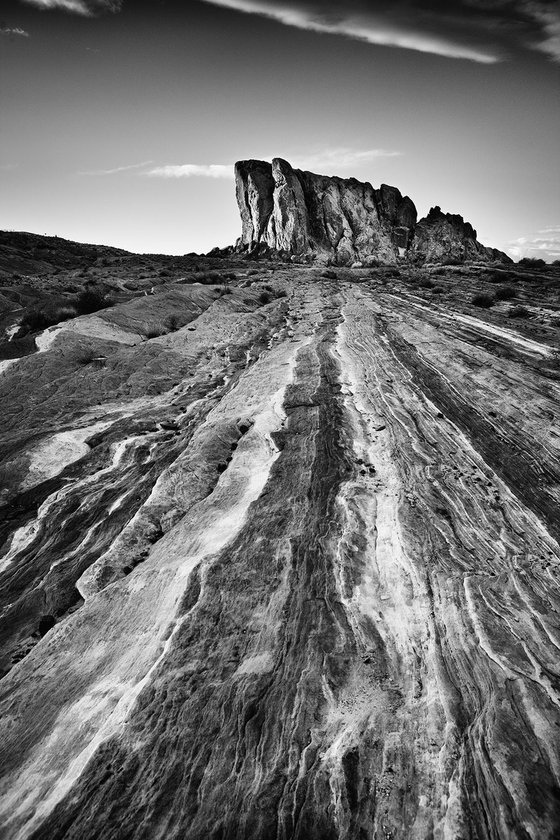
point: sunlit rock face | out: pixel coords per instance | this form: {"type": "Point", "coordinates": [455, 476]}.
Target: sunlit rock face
{"type": "Point", "coordinates": [340, 221]}
{"type": "Point", "coordinates": [289, 570]}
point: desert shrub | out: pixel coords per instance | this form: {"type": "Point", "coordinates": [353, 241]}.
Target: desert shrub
{"type": "Point", "coordinates": [10, 477]}
{"type": "Point", "coordinates": [91, 357]}
{"type": "Point", "coordinates": [37, 319]}
{"type": "Point", "coordinates": [483, 301]}
{"type": "Point", "coordinates": [282, 293]}
{"type": "Point", "coordinates": [519, 312]}
{"type": "Point", "coordinates": [164, 272]}
{"type": "Point", "coordinates": [63, 313]}
{"type": "Point", "coordinates": [172, 323]}
{"type": "Point", "coordinates": [91, 300]}
{"type": "Point", "coordinates": [265, 297]}
{"type": "Point", "coordinates": [154, 332]}
{"type": "Point", "coordinates": [438, 290]}
{"type": "Point", "coordinates": [223, 290]}
{"type": "Point", "coordinates": [425, 283]}
{"type": "Point", "coordinates": [505, 293]}
{"type": "Point", "coordinates": [532, 262]}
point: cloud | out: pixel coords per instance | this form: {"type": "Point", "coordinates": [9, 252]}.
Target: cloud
{"type": "Point", "coordinates": [192, 170]}
{"type": "Point", "coordinates": [545, 244]}
{"type": "Point", "coordinates": [378, 23]}
{"type": "Point", "coordinates": [477, 30]}
{"type": "Point", "coordinates": [548, 16]}
{"type": "Point", "coordinates": [6, 30]}
{"type": "Point", "coordinates": [115, 170]}
{"type": "Point", "coordinates": [483, 31]}
{"type": "Point", "coordinates": [327, 161]}
{"type": "Point", "coordinates": [87, 8]}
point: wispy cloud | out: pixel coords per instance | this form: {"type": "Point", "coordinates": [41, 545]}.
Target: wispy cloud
{"type": "Point", "coordinates": [325, 161]}
{"type": "Point", "coordinates": [17, 31]}
{"type": "Point", "coordinates": [330, 161]}
{"type": "Point", "coordinates": [88, 8]}
{"type": "Point", "coordinates": [192, 170]}
{"type": "Point", "coordinates": [476, 30]}
{"type": "Point", "coordinates": [115, 170]}
{"type": "Point", "coordinates": [380, 24]}
{"type": "Point", "coordinates": [545, 243]}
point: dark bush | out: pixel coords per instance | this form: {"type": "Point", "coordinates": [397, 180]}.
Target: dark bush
{"type": "Point", "coordinates": [438, 290]}
{"type": "Point", "coordinates": [91, 357]}
{"type": "Point", "coordinates": [172, 323]}
{"type": "Point", "coordinates": [91, 300]}
{"type": "Point", "coordinates": [483, 301]}
{"type": "Point", "coordinates": [154, 332]}
{"type": "Point", "coordinates": [505, 293]}
{"type": "Point", "coordinates": [37, 319]}
{"type": "Point", "coordinates": [532, 262]}
{"type": "Point", "coordinates": [519, 312]}
{"type": "Point", "coordinates": [265, 297]}
{"type": "Point", "coordinates": [425, 283]}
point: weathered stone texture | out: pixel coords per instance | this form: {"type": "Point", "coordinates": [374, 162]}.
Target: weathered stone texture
{"type": "Point", "coordinates": [343, 221]}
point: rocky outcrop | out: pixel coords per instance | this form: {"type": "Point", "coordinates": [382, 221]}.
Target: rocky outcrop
{"type": "Point", "coordinates": [343, 221]}
{"type": "Point", "coordinates": [313, 216]}
{"type": "Point", "coordinates": [444, 237]}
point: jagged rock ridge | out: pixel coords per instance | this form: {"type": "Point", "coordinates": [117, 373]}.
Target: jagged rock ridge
{"type": "Point", "coordinates": [343, 221]}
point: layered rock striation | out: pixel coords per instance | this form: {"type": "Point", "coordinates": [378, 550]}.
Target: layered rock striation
{"type": "Point", "coordinates": [289, 570]}
{"type": "Point", "coordinates": [343, 221]}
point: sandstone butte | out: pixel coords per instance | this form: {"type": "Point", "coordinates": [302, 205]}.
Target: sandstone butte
{"type": "Point", "coordinates": [343, 221]}
{"type": "Point", "coordinates": [279, 542]}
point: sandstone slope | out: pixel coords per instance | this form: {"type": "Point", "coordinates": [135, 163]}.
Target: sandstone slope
{"type": "Point", "coordinates": [289, 570]}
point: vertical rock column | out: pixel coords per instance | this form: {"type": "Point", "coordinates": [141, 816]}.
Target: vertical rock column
{"type": "Point", "coordinates": [288, 228]}
{"type": "Point", "coordinates": [254, 187]}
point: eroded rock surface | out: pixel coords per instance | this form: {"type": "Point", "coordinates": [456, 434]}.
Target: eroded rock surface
{"type": "Point", "coordinates": [344, 221]}
{"type": "Point", "coordinates": [302, 582]}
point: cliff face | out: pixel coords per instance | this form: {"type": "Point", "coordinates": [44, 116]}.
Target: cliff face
{"type": "Point", "coordinates": [336, 220]}
{"type": "Point", "coordinates": [342, 221]}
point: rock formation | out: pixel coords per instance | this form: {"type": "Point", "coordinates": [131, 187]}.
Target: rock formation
{"type": "Point", "coordinates": [343, 221]}
{"type": "Point", "coordinates": [287, 567]}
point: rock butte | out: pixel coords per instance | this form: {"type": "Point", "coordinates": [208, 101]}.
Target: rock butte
{"type": "Point", "coordinates": [287, 568]}
{"type": "Point", "coordinates": [343, 221]}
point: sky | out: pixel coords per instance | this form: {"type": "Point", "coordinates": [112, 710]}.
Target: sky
{"type": "Point", "coordinates": [122, 119]}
